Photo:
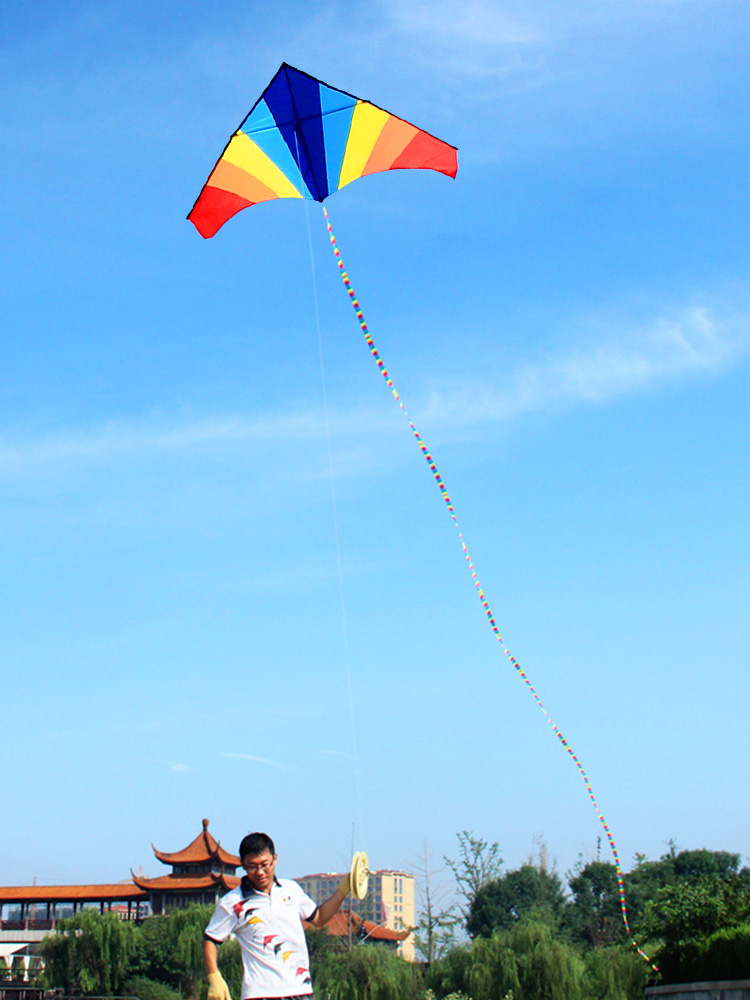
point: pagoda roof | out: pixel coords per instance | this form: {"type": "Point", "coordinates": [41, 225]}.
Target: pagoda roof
{"type": "Point", "coordinates": [203, 848]}
{"type": "Point", "coordinates": [176, 883]}
{"type": "Point", "coordinates": [344, 920]}
{"type": "Point", "coordinates": [71, 893]}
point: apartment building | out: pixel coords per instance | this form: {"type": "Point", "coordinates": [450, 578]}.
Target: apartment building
{"type": "Point", "coordinates": [389, 901]}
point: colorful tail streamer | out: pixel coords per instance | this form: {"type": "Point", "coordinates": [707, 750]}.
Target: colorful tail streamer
{"type": "Point", "coordinates": [487, 610]}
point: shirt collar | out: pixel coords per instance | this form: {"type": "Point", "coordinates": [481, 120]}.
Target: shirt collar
{"type": "Point", "coordinates": [247, 888]}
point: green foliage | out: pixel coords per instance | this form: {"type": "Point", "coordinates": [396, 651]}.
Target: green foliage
{"type": "Point", "coordinates": [593, 916]}
{"type": "Point", "coordinates": [528, 961]}
{"type": "Point", "coordinates": [493, 968]}
{"type": "Point", "coordinates": [691, 918]}
{"type": "Point", "coordinates": [91, 953]}
{"type": "Point", "coordinates": [149, 989]}
{"type": "Point", "coordinates": [170, 949]}
{"type": "Point", "coordinates": [4, 970]}
{"type": "Point", "coordinates": [614, 973]}
{"type": "Point", "coordinates": [430, 995]}
{"type": "Point", "coordinates": [366, 972]}
{"type": "Point", "coordinates": [320, 944]}
{"type": "Point", "coordinates": [528, 891]}
{"type": "Point", "coordinates": [35, 971]}
{"type": "Point", "coordinates": [230, 966]}
{"type": "Point", "coordinates": [686, 911]}
{"type": "Point", "coordinates": [478, 863]}
{"type": "Point", "coordinates": [724, 955]}
{"type": "Point", "coordinates": [435, 934]}
{"type": "Point", "coordinates": [695, 864]}
{"type": "Point", "coordinates": [644, 882]}
{"type": "Point", "coordinates": [449, 975]}
{"type": "Point", "coordinates": [548, 968]}
{"type": "Point", "coordinates": [17, 968]}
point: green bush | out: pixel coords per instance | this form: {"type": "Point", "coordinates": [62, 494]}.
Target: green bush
{"type": "Point", "coordinates": [723, 955]}
{"type": "Point", "coordinates": [366, 972]}
{"type": "Point", "coordinates": [528, 961]}
{"type": "Point", "coordinates": [90, 953]}
{"type": "Point", "coordinates": [615, 973]}
{"type": "Point", "coordinates": [149, 989]}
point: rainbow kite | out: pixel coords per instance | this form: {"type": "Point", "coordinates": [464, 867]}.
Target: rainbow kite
{"type": "Point", "coordinates": [303, 139]}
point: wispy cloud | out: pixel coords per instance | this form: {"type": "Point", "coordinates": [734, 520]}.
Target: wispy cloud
{"type": "Point", "coordinates": [259, 760]}
{"type": "Point", "coordinates": [606, 360]}
{"type": "Point", "coordinates": [463, 22]}
{"type": "Point", "coordinates": [602, 359]}
{"type": "Point", "coordinates": [178, 767]}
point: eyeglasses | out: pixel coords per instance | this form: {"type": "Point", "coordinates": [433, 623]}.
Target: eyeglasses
{"type": "Point", "coordinates": [262, 866]}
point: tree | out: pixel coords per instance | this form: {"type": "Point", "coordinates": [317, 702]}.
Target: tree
{"type": "Point", "coordinates": [435, 933]}
{"type": "Point", "coordinates": [694, 864]}
{"type": "Point", "coordinates": [615, 972]}
{"type": "Point", "coordinates": [526, 892]}
{"type": "Point", "coordinates": [644, 882]}
{"type": "Point", "coordinates": [367, 972]}
{"type": "Point", "coordinates": [689, 910]}
{"type": "Point", "coordinates": [90, 953]}
{"type": "Point", "coordinates": [527, 962]}
{"type": "Point", "coordinates": [170, 950]}
{"type": "Point", "coordinates": [684, 915]}
{"type": "Point", "coordinates": [593, 915]}
{"type": "Point", "coordinates": [477, 864]}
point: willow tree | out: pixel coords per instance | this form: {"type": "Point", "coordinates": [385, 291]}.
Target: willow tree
{"type": "Point", "coordinates": [91, 953]}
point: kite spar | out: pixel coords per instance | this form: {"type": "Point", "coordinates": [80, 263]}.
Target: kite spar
{"type": "Point", "coordinates": [304, 139]}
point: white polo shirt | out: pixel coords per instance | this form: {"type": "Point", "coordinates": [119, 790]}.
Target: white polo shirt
{"type": "Point", "coordinates": [272, 941]}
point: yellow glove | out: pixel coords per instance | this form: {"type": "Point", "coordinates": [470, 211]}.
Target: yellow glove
{"type": "Point", "coordinates": [345, 885]}
{"type": "Point", "coordinates": [217, 988]}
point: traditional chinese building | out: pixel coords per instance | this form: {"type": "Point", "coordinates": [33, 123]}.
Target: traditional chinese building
{"type": "Point", "coordinates": [201, 873]}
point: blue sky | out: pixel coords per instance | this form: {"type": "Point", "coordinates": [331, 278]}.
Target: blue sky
{"type": "Point", "coordinates": [568, 325]}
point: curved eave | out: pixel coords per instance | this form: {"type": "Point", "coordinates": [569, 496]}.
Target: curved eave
{"type": "Point", "coordinates": [204, 848]}
{"type": "Point", "coordinates": [184, 883]}
{"type": "Point", "coordinates": [344, 921]}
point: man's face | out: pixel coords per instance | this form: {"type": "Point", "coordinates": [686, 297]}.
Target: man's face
{"type": "Point", "coordinates": [260, 870]}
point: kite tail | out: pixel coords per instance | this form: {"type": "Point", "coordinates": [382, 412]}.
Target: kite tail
{"type": "Point", "coordinates": [480, 592]}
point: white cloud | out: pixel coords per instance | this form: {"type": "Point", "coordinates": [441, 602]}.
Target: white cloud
{"type": "Point", "coordinates": [138, 440]}
{"type": "Point", "coordinates": [178, 767]}
{"type": "Point", "coordinates": [609, 360]}
{"type": "Point", "coordinates": [604, 359]}
{"type": "Point", "coordinates": [258, 760]}
{"type": "Point", "coordinates": [462, 22]}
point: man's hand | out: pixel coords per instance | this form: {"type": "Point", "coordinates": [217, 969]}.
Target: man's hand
{"type": "Point", "coordinates": [217, 988]}
{"type": "Point", "coordinates": [345, 885]}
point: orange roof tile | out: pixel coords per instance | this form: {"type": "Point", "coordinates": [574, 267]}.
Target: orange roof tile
{"type": "Point", "coordinates": [177, 882]}
{"type": "Point", "coordinates": [203, 848]}
{"type": "Point", "coordinates": [342, 922]}
{"type": "Point", "coordinates": [70, 893]}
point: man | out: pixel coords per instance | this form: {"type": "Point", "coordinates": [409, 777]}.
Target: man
{"type": "Point", "coordinates": [265, 914]}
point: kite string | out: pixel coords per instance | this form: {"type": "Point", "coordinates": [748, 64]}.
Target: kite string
{"type": "Point", "coordinates": [334, 509]}
{"type": "Point", "coordinates": [478, 586]}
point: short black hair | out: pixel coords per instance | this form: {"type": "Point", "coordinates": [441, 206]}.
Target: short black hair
{"type": "Point", "coordinates": [254, 844]}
